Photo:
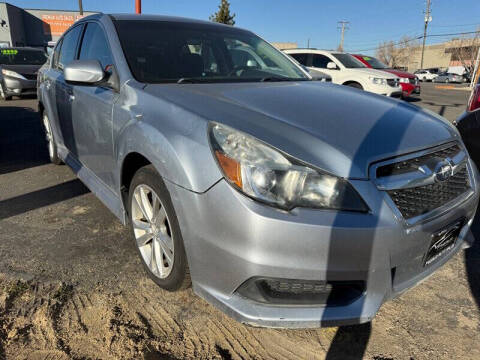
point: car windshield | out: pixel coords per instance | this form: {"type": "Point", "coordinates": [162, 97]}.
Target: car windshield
{"type": "Point", "coordinates": [163, 51]}
{"type": "Point", "coordinates": [349, 61]}
{"type": "Point", "coordinates": [374, 63]}
{"type": "Point", "coordinates": [22, 57]}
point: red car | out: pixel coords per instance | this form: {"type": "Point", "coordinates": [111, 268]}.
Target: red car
{"type": "Point", "coordinates": [408, 81]}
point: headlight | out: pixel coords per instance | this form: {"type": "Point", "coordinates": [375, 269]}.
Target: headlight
{"type": "Point", "coordinates": [378, 81]}
{"type": "Point", "coordinates": [12, 74]}
{"type": "Point", "coordinates": [404, 80]}
{"type": "Point", "coordinates": [265, 174]}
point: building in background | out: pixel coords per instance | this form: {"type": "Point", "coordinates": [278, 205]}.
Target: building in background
{"type": "Point", "coordinates": [453, 53]}
{"type": "Point", "coordinates": [33, 27]}
{"type": "Point", "coordinates": [285, 45]}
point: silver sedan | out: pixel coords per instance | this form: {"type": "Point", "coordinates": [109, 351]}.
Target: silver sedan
{"type": "Point", "coordinates": [285, 202]}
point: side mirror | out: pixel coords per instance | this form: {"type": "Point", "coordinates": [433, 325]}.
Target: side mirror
{"type": "Point", "coordinates": [332, 66]}
{"type": "Point", "coordinates": [87, 72]}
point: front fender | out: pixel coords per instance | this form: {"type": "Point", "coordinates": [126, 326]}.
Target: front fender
{"type": "Point", "coordinates": [175, 143]}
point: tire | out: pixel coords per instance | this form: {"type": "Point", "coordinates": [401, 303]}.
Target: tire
{"type": "Point", "coordinates": [355, 85]}
{"type": "Point", "coordinates": [424, 78]}
{"type": "Point", "coordinates": [158, 234]}
{"type": "Point", "coordinates": [447, 81]}
{"type": "Point", "coordinates": [3, 95]}
{"type": "Point", "coordinates": [52, 146]}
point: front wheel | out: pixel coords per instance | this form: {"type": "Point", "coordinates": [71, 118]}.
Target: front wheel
{"type": "Point", "coordinates": [3, 94]}
{"type": "Point", "coordinates": [156, 230]}
{"type": "Point", "coordinates": [355, 85]}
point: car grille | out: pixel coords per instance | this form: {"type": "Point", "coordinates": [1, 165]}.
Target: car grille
{"type": "Point", "coordinates": [423, 199]}
{"type": "Point", "coordinates": [407, 166]}
{"type": "Point", "coordinates": [415, 201]}
{"type": "Point", "coordinates": [30, 76]}
{"type": "Point", "coordinates": [392, 82]}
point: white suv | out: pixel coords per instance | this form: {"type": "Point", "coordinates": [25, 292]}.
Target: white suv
{"type": "Point", "coordinates": [346, 70]}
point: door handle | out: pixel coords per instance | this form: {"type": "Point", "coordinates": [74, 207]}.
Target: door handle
{"type": "Point", "coordinates": [71, 97]}
{"type": "Point", "coordinates": [48, 84]}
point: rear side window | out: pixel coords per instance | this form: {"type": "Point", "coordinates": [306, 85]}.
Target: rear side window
{"type": "Point", "coordinates": [301, 58]}
{"type": "Point", "coordinates": [320, 61]}
{"type": "Point", "coordinates": [69, 47]}
{"type": "Point", "coordinates": [95, 46]}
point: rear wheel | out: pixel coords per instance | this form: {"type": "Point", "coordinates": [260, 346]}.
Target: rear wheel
{"type": "Point", "coordinates": [447, 80]}
{"type": "Point", "coordinates": [156, 231]}
{"type": "Point", "coordinates": [424, 78]}
{"type": "Point", "coordinates": [52, 146]}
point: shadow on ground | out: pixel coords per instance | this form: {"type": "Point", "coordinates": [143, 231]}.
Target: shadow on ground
{"type": "Point", "coordinates": [22, 139]}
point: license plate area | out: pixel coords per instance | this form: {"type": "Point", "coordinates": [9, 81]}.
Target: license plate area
{"type": "Point", "coordinates": [443, 241]}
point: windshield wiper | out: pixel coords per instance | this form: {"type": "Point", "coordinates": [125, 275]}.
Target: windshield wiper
{"type": "Point", "coordinates": [189, 80]}
{"type": "Point", "coordinates": [274, 78]}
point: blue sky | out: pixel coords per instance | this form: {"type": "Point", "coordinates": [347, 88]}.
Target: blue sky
{"type": "Point", "coordinates": [371, 21]}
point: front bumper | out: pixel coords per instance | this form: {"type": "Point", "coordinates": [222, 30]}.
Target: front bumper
{"type": "Point", "coordinates": [230, 239]}
{"type": "Point", "coordinates": [387, 90]}
{"type": "Point", "coordinates": [410, 89]}
{"type": "Point", "coordinates": [19, 87]}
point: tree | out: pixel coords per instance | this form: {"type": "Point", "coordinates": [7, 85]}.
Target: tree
{"type": "Point", "coordinates": [223, 14]}
{"type": "Point", "coordinates": [397, 54]}
{"type": "Point", "coordinates": [465, 49]}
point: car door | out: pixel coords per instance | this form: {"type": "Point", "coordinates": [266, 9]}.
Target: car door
{"type": "Point", "coordinates": [64, 91]}
{"type": "Point", "coordinates": [47, 87]}
{"type": "Point", "coordinates": [320, 61]}
{"type": "Point", "coordinates": [92, 108]}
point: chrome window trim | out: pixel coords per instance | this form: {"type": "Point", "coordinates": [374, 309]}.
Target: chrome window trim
{"type": "Point", "coordinates": [462, 159]}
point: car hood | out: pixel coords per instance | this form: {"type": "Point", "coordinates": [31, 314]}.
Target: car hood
{"type": "Point", "coordinates": [400, 73]}
{"type": "Point", "coordinates": [372, 72]}
{"type": "Point", "coordinates": [336, 128]}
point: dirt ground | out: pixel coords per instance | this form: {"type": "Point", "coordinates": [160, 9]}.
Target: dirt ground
{"type": "Point", "coordinates": [72, 286]}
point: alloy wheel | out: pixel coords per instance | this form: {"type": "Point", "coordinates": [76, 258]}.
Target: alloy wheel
{"type": "Point", "coordinates": [152, 230]}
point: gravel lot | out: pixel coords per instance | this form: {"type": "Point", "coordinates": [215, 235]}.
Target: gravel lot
{"type": "Point", "coordinates": [71, 285]}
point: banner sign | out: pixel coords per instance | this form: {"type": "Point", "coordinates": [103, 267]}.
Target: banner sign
{"type": "Point", "coordinates": [57, 24]}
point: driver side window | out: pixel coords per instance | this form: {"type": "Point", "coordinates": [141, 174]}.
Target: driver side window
{"type": "Point", "coordinates": [320, 61]}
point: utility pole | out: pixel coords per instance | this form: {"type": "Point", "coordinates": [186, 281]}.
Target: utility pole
{"type": "Point", "coordinates": [138, 6]}
{"type": "Point", "coordinates": [308, 43]}
{"type": "Point", "coordinates": [343, 25]}
{"type": "Point", "coordinates": [80, 7]}
{"type": "Point", "coordinates": [428, 18]}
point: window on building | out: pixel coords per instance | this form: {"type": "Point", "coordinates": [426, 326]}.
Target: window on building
{"type": "Point", "coordinates": [95, 46]}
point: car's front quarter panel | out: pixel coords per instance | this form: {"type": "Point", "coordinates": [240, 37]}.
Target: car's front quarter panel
{"type": "Point", "coordinates": [174, 140]}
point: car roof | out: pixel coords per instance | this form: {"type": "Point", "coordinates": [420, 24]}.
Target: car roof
{"type": "Point", "coordinates": [313, 51]}
{"type": "Point", "coordinates": [21, 48]}
{"type": "Point", "coordinates": [166, 18]}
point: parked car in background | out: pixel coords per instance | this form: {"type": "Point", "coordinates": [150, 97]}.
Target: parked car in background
{"type": "Point", "coordinates": [408, 81]}
{"type": "Point", "coordinates": [426, 75]}
{"type": "Point", "coordinates": [448, 78]}
{"type": "Point", "coordinates": [315, 74]}
{"type": "Point", "coordinates": [347, 70]}
{"type": "Point", "coordinates": [287, 202]}
{"type": "Point", "coordinates": [468, 124]}
{"type": "Point", "coordinates": [18, 71]}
